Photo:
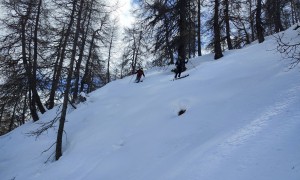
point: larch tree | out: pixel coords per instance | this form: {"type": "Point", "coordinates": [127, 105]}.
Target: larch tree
{"type": "Point", "coordinates": [111, 40]}
{"type": "Point", "coordinates": [58, 152]}
{"type": "Point", "coordinates": [22, 45]}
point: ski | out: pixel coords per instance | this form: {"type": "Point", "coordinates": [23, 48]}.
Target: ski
{"type": "Point", "coordinates": [139, 81]}
{"type": "Point", "coordinates": [181, 77]}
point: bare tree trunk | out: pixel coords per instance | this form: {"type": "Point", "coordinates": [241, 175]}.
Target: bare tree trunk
{"type": "Point", "coordinates": [31, 67]}
{"type": "Point", "coordinates": [277, 20]}
{"type": "Point", "coordinates": [35, 94]}
{"type": "Point", "coordinates": [78, 64]}
{"type": "Point", "coordinates": [108, 60]}
{"type": "Point", "coordinates": [113, 30]}
{"type": "Point", "coordinates": [182, 32]}
{"type": "Point", "coordinates": [251, 21]}
{"type": "Point", "coordinates": [2, 112]}
{"type": "Point", "coordinates": [296, 7]}
{"type": "Point", "coordinates": [24, 110]}
{"type": "Point", "coordinates": [27, 65]}
{"type": "Point", "coordinates": [57, 72]}
{"type": "Point", "coordinates": [87, 65]}
{"type": "Point", "coordinates": [259, 28]}
{"type": "Point", "coordinates": [133, 63]}
{"type": "Point", "coordinates": [293, 11]}
{"type": "Point", "coordinates": [199, 28]}
{"type": "Point", "coordinates": [86, 77]}
{"type": "Point", "coordinates": [137, 48]}
{"type": "Point", "coordinates": [226, 15]}
{"type": "Point", "coordinates": [189, 36]}
{"type": "Point", "coordinates": [12, 119]}
{"type": "Point", "coordinates": [69, 78]}
{"type": "Point", "coordinates": [246, 34]}
{"type": "Point", "coordinates": [217, 36]}
{"type": "Point", "coordinates": [169, 48]}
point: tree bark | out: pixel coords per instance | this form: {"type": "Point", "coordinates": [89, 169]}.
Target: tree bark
{"type": "Point", "coordinates": [137, 48]}
{"type": "Point", "coordinates": [199, 28]}
{"type": "Point", "coordinates": [182, 33]}
{"type": "Point", "coordinates": [86, 77]}
{"type": "Point", "coordinates": [217, 34]}
{"type": "Point", "coordinates": [226, 16]}
{"type": "Point", "coordinates": [78, 64]}
{"type": "Point", "coordinates": [2, 112]}
{"type": "Point", "coordinates": [169, 48]}
{"type": "Point", "coordinates": [12, 119]}
{"type": "Point", "coordinates": [251, 16]}
{"type": "Point", "coordinates": [58, 153]}
{"type": "Point", "coordinates": [35, 95]}
{"type": "Point", "coordinates": [108, 60]}
{"type": "Point", "coordinates": [277, 20]}
{"type": "Point", "coordinates": [57, 71]}
{"type": "Point", "coordinates": [259, 28]}
{"type": "Point", "coordinates": [27, 65]}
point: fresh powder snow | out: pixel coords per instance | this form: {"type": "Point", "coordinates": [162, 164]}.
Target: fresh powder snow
{"type": "Point", "coordinates": [242, 122]}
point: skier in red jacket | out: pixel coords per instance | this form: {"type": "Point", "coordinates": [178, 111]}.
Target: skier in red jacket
{"type": "Point", "coordinates": [139, 74]}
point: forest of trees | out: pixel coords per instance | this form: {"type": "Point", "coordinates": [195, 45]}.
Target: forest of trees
{"type": "Point", "coordinates": [51, 51]}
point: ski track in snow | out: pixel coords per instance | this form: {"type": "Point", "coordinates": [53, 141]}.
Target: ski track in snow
{"type": "Point", "coordinates": [258, 124]}
{"type": "Point", "coordinates": [251, 130]}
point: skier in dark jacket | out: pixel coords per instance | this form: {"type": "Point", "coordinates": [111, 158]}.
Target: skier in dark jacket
{"type": "Point", "coordinates": [178, 70]}
{"type": "Point", "coordinates": [139, 74]}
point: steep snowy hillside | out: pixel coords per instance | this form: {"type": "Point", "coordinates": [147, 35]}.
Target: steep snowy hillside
{"type": "Point", "coordinates": [242, 122]}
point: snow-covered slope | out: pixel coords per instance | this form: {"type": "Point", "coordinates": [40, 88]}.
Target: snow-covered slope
{"type": "Point", "coordinates": [242, 122]}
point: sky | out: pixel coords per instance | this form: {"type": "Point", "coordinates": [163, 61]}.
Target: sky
{"type": "Point", "coordinates": [123, 12]}
{"type": "Point", "coordinates": [125, 20]}
{"type": "Point", "coordinates": [241, 122]}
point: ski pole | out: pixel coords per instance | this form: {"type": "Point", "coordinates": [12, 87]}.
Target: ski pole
{"type": "Point", "coordinates": [131, 79]}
